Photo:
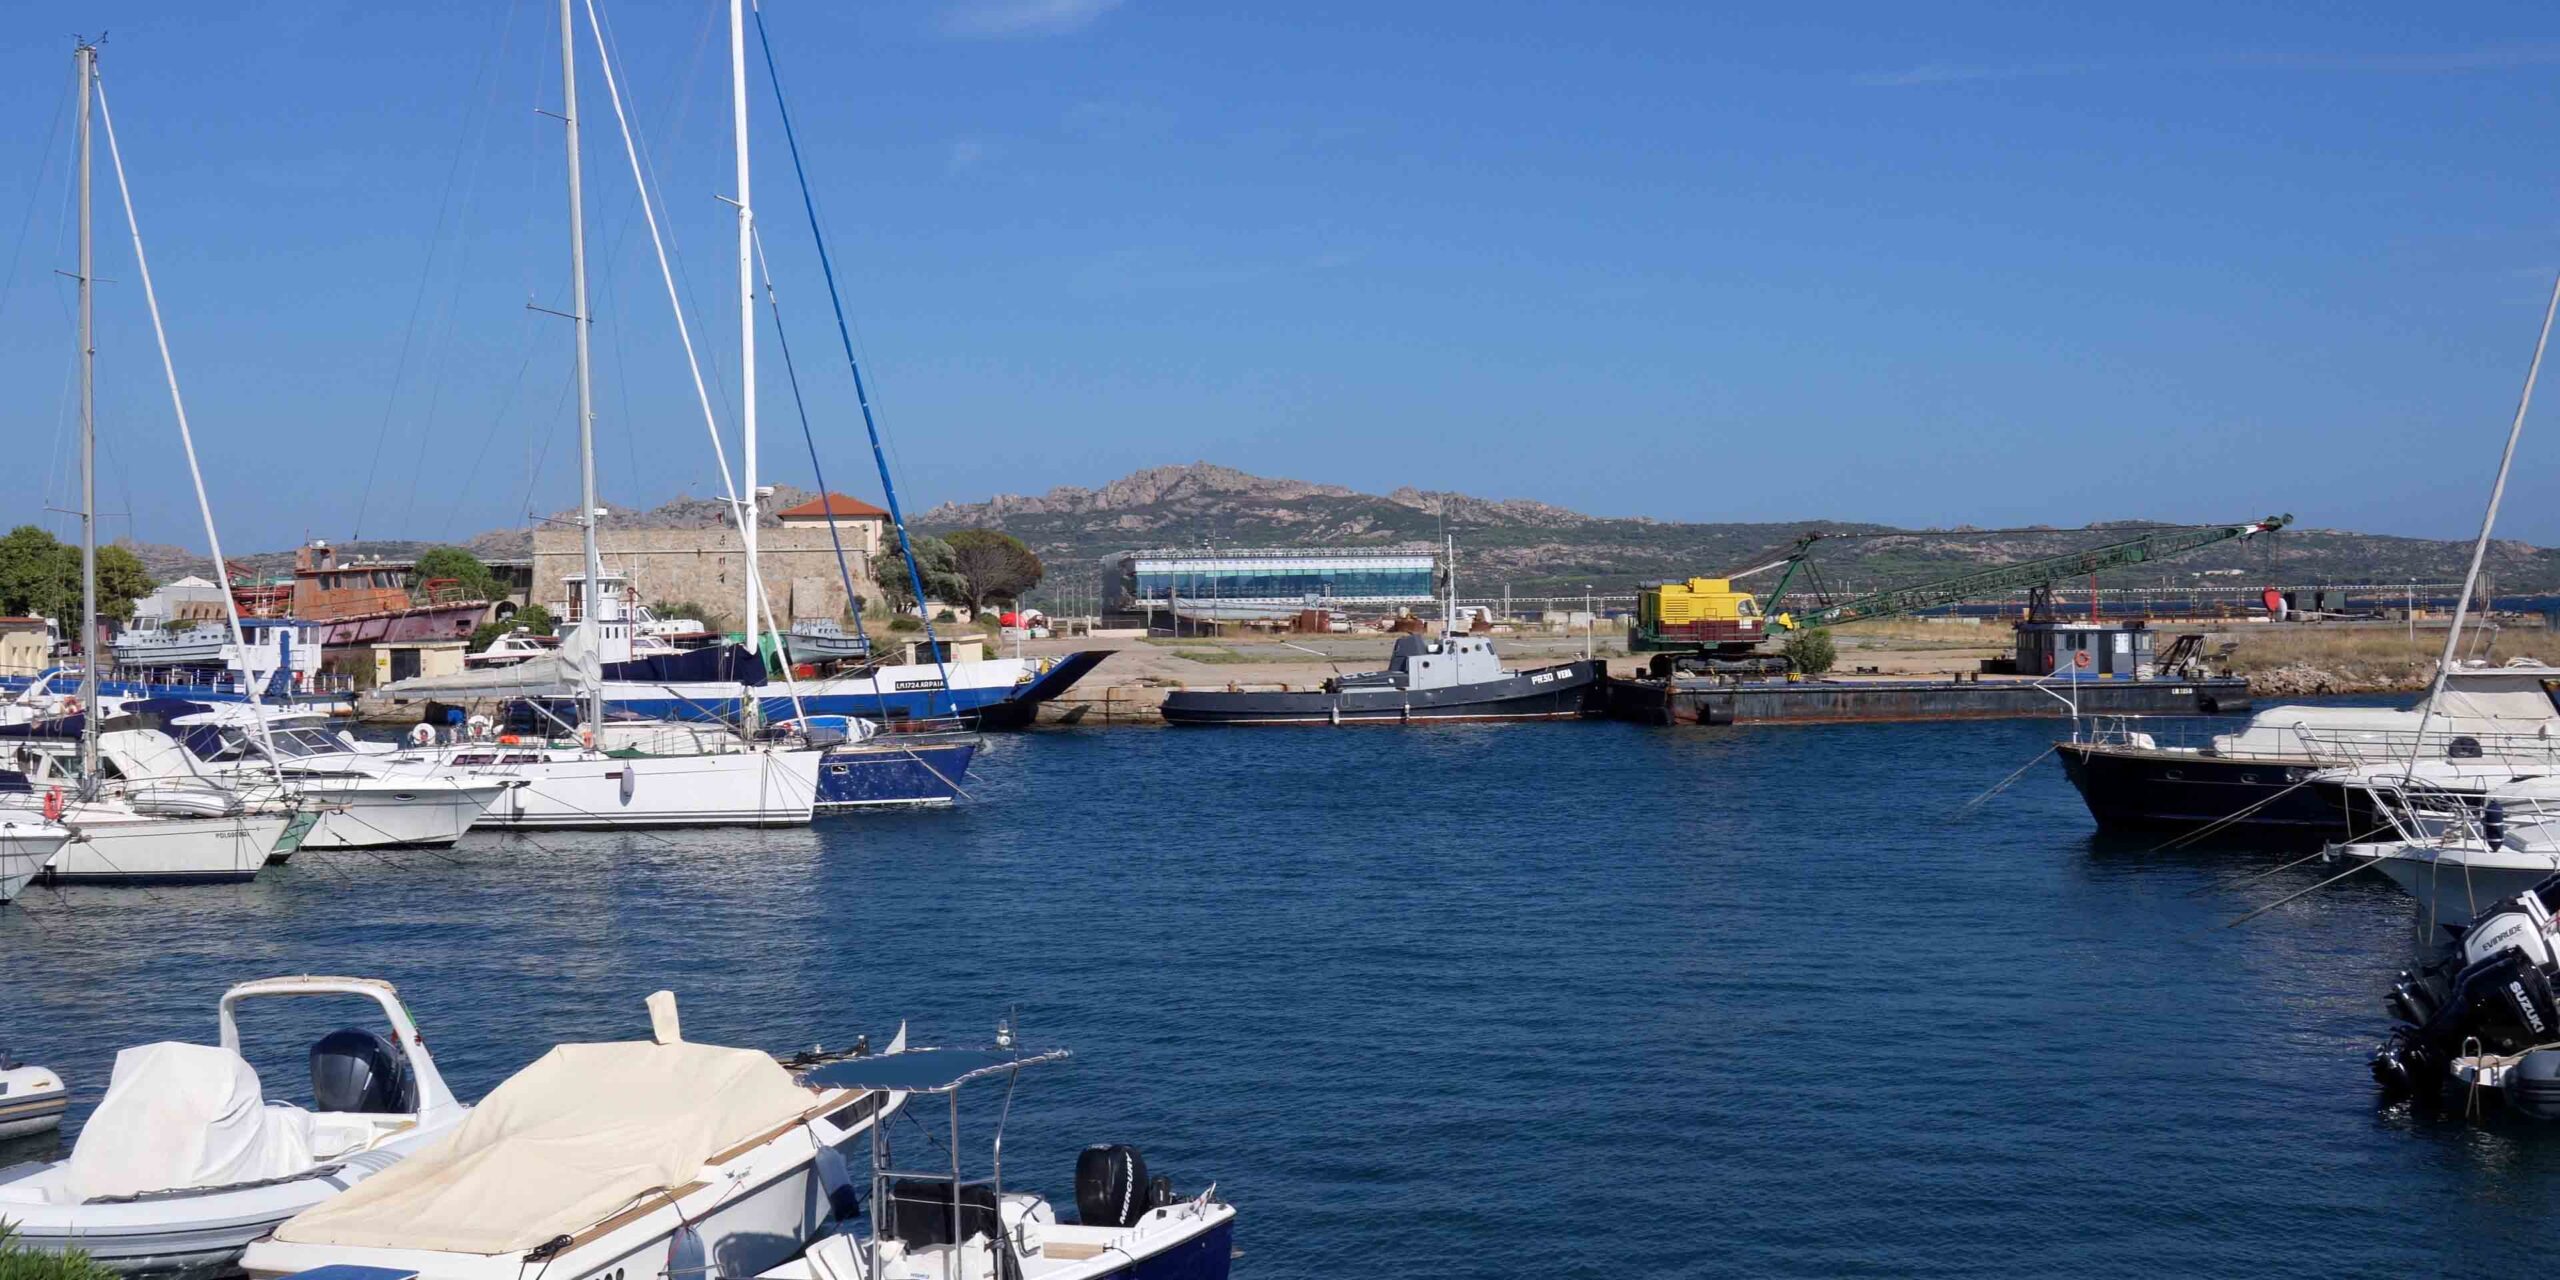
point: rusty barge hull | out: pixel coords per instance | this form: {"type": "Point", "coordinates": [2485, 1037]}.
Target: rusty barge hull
{"type": "Point", "coordinates": [1646, 700]}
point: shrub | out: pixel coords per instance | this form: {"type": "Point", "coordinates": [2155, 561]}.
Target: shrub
{"type": "Point", "coordinates": [905, 623]}
{"type": "Point", "coordinates": [1810, 652]}
{"type": "Point", "coordinates": [18, 1262]}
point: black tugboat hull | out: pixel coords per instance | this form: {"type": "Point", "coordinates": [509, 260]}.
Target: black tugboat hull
{"type": "Point", "coordinates": [2130, 788]}
{"type": "Point", "coordinates": [1548, 693]}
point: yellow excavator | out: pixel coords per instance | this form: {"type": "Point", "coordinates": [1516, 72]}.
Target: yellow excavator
{"type": "Point", "coordinates": [1704, 626]}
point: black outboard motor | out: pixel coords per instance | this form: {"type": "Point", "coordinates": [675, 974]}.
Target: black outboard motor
{"type": "Point", "coordinates": [361, 1071]}
{"type": "Point", "coordinates": [2497, 988]}
{"type": "Point", "coordinates": [1111, 1186]}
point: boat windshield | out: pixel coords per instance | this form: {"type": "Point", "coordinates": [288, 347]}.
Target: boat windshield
{"type": "Point", "coordinates": [290, 744]}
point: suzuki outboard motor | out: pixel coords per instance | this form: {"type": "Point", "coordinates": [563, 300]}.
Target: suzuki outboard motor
{"type": "Point", "coordinates": [2500, 993]}
{"type": "Point", "coordinates": [360, 1071]}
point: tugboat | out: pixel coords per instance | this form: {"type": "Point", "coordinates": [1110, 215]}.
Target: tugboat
{"type": "Point", "coordinates": [1456, 677]}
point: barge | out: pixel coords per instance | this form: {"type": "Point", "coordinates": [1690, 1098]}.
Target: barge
{"type": "Point", "coordinates": [1705, 700]}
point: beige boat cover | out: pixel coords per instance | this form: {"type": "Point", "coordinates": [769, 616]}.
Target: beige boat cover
{"type": "Point", "coordinates": [183, 1116]}
{"type": "Point", "coordinates": [585, 1132]}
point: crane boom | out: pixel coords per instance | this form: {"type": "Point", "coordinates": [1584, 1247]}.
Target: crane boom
{"type": "Point", "coordinates": [2159, 545]}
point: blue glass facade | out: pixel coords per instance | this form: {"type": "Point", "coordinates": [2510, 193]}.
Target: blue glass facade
{"type": "Point", "coordinates": [1148, 579]}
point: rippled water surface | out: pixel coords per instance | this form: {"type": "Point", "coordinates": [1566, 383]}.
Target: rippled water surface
{"type": "Point", "coordinates": [1558, 1000]}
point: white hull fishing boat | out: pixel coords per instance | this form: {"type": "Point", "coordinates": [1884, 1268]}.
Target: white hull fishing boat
{"type": "Point", "coordinates": [27, 843]}
{"type": "Point", "coordinates": [944, 1224]}
{"type": "Point", "coordinates": [184, 1162]}
{"type": "Point", "coordinates": [632, 1159]}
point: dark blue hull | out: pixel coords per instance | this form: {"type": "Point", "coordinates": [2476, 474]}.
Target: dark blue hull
{"type": "Point", "coordinates": [1206, 1256]}
{"type": "Point", "coordinates": [888, 774]}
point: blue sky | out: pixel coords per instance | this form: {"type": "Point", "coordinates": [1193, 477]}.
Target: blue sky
{"type": "Point", "coordinates": [1924, 265]}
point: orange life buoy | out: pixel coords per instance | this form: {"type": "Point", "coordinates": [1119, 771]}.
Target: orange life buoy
{"type": "Point", "coordinates": [508, 739]}
{"type": "Point", "coordinates": [53, 805]}
{"type": "Point", "coordinates": [2080, 659]}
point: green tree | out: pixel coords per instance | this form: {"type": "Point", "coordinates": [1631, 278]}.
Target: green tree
{"type": "Point", "coordinates": [934, 561]}
{"type": "Point", "coordinates": [993, 566]}
{"type": "Point", "coordinates": [1810, 652]}
{"type": "Point", "coordinates": [40, 575]}
{"type": "Point", "coordinates": [536, 619]}
{"type": "Point", "coordinates": [477, 580]}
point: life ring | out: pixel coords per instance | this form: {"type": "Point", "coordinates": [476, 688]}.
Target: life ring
{"type": "Point", "coordinates": [70, 706]}
{"type": "Point", "coordinates": [479, 726]}
{"type": "Point", "coordinates": [587, 739]}
{"type": "Point", "coordinates": [2081, 659]}
{"type": "Point", "coordinates": [424, 735]}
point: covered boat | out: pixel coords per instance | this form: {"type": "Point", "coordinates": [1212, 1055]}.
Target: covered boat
{"type": "Point", "coordinates": [185, 1160]}
{"type": "Point", "coordinates": [603, 1159]}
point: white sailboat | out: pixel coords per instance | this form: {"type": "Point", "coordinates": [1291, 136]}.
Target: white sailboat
{"type": "Point", "coordinates": [113, 839]}
{"type": "Point", "coordinates": [597, 772]}
{"type": "Point", "coordinates": [26, 845]}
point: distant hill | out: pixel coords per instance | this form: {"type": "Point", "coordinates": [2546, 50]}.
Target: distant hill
{"type": "Point", "coordinates": [1535, 547]}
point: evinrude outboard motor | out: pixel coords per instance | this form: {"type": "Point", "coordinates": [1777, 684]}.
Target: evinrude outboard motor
{"type": "Point", "coordinates": [2499, 988]}
{"type": "Point", "coordinates": [359, 1071]}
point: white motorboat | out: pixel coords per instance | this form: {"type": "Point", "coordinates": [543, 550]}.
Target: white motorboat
{"type": "Point", "coordinates": [356, 809]}
{"type": "Point", "coordinates": [951, 1226]}
{"type": "Point", "coordinates": [603, 1160]}
{"type": "Point", "coordinates": [185, 1161]}
{"type": "Point", "coordinates": [515, 646]}
{"type": "Point", "coordinates": [113, 842]}
{"type": "Point", "coordinates": [32, 1099]}
{"type": "Point", "coordinates": [27, 843]}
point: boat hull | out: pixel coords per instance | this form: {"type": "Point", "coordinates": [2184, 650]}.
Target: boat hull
{"type": "Point", "coordinates": [147, 851]}
{"type": "Point", "coordinates": [2132, 788]}
{"type": "Point", "coordinates": [427, 813]}
{"type": "Point", "coordinates": [591, 791]}
{"type": "Point", "coordinates": [887, 774]}
{"type": "Point", "coordinates": [1548, 693]}
{"type": "Point", "coordinates": [2451, 889]}
{"type": "Point", "coordinates": [24, 851]}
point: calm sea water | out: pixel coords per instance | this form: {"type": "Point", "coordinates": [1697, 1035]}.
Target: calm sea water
{"type": "Point", "coordinates": [1561, 1000]}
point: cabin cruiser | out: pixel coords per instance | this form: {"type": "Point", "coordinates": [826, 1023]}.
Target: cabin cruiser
{"type": "Point", "coordinates": [2457, 848]}
{"type": "Point", "coordinates": [824, 640]}
{"type": "Point", "coordinates": [938, 1225]}
{"type": "Point", "coordinates": [1455, 677]}
{"type": "Point", "coordinates": [32, 1099]}
{"type": "Point", "coordinates": [513, 647]}
{"type": "Point", "coordinates": [185, 1160]}
{"type": "Point", "coordinates": [155, 839]}
{"type": "Point", "coordinates": [350, 809]}
{"type": "Point", "coordinates": [27, 843]}
{"type": "Point", "coordinates": [2252, 781]}
{"type": "Point", "coordinates": [639, 1158]}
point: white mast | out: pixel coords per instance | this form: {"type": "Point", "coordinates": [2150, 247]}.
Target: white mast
{"type": "Point", "coordinates": [1449, 616]}
{"type": "Point", "coordinates": [591, 614]}
{"type": "Point", "coordinates": [746, 315]}
{"type": "Point", "coordinates": [86, 56]}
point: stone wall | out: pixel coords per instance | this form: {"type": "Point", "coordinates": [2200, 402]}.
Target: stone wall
{"type": "Point", "coordinates": [708, 568]}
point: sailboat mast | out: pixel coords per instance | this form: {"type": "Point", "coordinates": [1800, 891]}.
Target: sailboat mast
{"type": "Point", "coordinates": [86, 56]}
{"type": "Point", "coordinates": [746, 314]}
{"type": "Point", "coordinates": [590, 612]}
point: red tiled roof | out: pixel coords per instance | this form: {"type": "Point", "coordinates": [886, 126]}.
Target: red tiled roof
{"type": "Point", "coordinates": [833, 504]}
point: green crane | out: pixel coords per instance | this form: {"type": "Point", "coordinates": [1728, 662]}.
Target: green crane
{"type": "Point", "coordinates": [2159, 544]}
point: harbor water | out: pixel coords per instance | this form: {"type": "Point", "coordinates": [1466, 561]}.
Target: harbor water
{"type": "Point", "coordinates": [1471, 1001]}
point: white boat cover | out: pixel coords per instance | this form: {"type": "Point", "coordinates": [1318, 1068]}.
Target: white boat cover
{"type": "Point", "coordinates": [546, 676]}
{"type": "Point", "coordinates": [184, 1115]}
{"type": "Point", "coordinates": [583, 1133]}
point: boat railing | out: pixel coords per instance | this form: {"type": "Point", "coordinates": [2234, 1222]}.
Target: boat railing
{"type": "Point", "coordinates": [2423, 812]}
{"type": "Point", "coordinates": [2325, 747]}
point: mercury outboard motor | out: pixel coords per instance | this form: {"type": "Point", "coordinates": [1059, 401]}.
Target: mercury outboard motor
{"type": "Point", "coordinates": [1111, 1186]}
{"type": "Point", "coordinates": [2500, 988]}
{"type": "Point", "coordinates": [359, 1071]}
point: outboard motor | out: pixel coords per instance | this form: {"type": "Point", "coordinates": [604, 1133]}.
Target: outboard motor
{"type": "Point", "coordinates": [1111, 1186]}
{"type": "Point", "coordinates": [2498, 989]}
{"type": "Point", "coordinates": [360, 1071]}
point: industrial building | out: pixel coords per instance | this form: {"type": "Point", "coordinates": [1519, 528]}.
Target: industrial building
{"type": "Point", "coordinates": [1155, 588]}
